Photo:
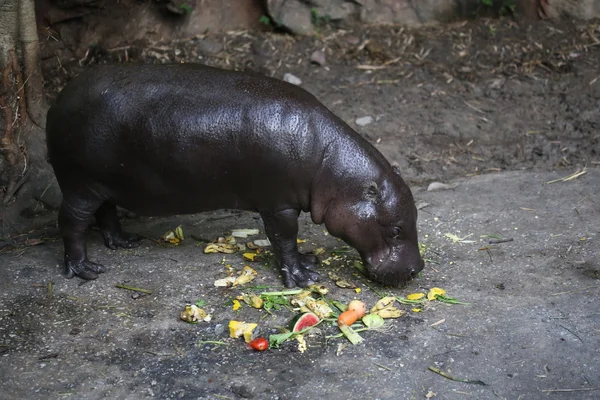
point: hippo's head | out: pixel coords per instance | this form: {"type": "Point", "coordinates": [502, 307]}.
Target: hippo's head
{"type": "Point", "coordinates": [379, 219]}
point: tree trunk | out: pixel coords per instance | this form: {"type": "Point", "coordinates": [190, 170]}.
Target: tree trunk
{"type": "Point", "coordinates": [26, 179]}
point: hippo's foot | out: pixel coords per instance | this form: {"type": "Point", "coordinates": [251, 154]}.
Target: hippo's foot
{"type": "Point", "coordinates": [302, 273]}
{"type": "Point", "coordinates": [121, 239]}
{"type": "Point", "coordinates": [84, 269]}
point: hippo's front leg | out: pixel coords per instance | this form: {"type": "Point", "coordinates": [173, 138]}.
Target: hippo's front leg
{"type": "Point", "coordinates": [282, 230]}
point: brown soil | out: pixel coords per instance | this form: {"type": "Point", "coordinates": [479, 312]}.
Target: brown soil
{"type": "Point", "coordinates": [468, 98]}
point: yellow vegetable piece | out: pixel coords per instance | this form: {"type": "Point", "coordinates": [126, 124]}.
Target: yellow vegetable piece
{"type": "Point", "coordinates": [390, 312]}
{"type": "Point", "coordinates": [357, 290]}
{"type": "Point", "coordinates": [301, 343]}
{"type": "Point", "coordinates": [319, 307]}
{"type": "Point", "coordinates": [300, 241]}
{"type": "Point", "coordinates": [415, 296]}
{"type": "Point", "coordinates": [193, 313]}
{"type": "Point", "coordinates": [434, 293]}
{"type": "Point", "coordinates": [383, 303]}
{"type": "Point", "coordinates": [416, 310]}
{"type": "Point", "coordinates": [236, 305]}
{"type": "Point", "coordinates": [220, 248]}
{"type": "Point", "coordinates": [256, 301]}
{"type": "Point", "coordinates": [246, 276]}
{"type": "Point", "coordinates": [237, 329]}
{"type": "Point", "coordinates": [252, 300]}
{"type": "Point", "coordinates": [249, 256]}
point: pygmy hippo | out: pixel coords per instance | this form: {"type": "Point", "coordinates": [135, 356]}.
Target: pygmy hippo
{"type": "Point", "coordinates": [181, 139]}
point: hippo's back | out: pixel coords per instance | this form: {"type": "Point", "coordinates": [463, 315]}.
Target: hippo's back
{"type": "Point", "coordinates": [164, 130]}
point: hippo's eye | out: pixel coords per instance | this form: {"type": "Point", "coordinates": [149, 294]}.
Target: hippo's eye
{"type": "Point", "coordinates": [396, 232]}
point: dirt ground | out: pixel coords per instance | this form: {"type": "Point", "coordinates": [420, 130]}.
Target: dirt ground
{"type": "Point", "coordinates": [494, 108]}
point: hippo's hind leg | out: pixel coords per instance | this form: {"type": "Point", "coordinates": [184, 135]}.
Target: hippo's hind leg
{"type": "Point", "coordinates": [74, 216]}
{"type": "Point", "coordinates": [282, 230]}
{"type": "Point", "coordinates": [109, 224]}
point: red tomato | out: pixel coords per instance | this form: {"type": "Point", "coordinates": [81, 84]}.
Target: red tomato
{"type": "Point", "coordinates": [259, 344]}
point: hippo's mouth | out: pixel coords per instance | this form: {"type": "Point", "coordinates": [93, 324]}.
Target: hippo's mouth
{"type": "Point", "coordinates": [391, 275]}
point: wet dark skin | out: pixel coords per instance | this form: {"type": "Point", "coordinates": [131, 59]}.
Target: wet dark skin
{"type": "Point", "coordinates": [181, 139]}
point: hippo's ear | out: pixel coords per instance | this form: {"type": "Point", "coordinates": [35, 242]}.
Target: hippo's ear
{"type": "Point", "coordinates": [372, 191]}
{"type": "Point", "coordinates": [397, 170]}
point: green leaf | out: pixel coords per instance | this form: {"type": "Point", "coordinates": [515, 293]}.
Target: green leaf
{"type": "Point", "coordinates": [448, 300]}
{"type": "Point", "coordinates": [341, 306]}
{"type": "Point", "coordinates": [373, 321]}
{"type": "Point", "coordinates": [276, 340]}
{"type": "Point", "coordinates": [200, 303]}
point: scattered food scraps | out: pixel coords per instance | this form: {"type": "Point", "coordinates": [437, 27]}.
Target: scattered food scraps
{"type": "Point", "coordinates": [302, 346]}
{"type": "Point", "coordinates": [339, 282]}
{"type": "Point", "coordinates": [344, 284]}
{"type": "Point", "coordinates": [236, 305]}
{"type": "Point", "coordinates": [319, 307]}
{"type": "Point", "coordinates": [373, 321]}
{"type": "Point", "coordinates": [359, 307]}
{"type": "Point", "coordinates": [193, 313]}
{"type": "Point", "coordinates": [243, 233]}
{"type": "Point", "coordinates": [259, 344]}
{"type": "Point", "coordinates": [434, 293]}
{"type": "Point", "coordinates": [245, 276]}
{"type": "Point", "coordinates": [383, 303]}
{"type": "Point", "coordinates": [238, 329]}
{"type": "Point", "coordinates": [225, 282]}
{"type": "Point", "coordinates": [250, 256]}
{"type": "Point", "coordinates": [415, 296]}
{"type": "Point", "coordinates": [174, 236]}
{"type": "Point", "coordinates": [390, 312]}
{"type": "Point", "coordinates": [248, 274]}
{"type": "Point", "coordinates": [319, 289]}
{"type": "Point", "coordinates": [350, 334]}
{"type": "Point", "coordinates": [226, 245]}
{"type": "Point", "coordinates": [252, 300]}
{"type": "Point", "coordinates": [262, 243]}
{"type": "Point", "coordinates": [303, 321]}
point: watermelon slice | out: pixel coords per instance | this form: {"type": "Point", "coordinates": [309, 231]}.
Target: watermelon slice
{"type": "Point", "coordinates": [303, 321]}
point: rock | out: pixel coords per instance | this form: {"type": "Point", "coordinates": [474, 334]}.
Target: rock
{"type": "Point", "coordinates": [362, 121]}
{"type": "Point", "coordinates": [434, 186]}
{"type": "Point", "coordinates": [291, 14]}
{"type": "Point", "coordinates": [298, 16]}
{"type": "Point", "coordinates": [293, 79]}
{"type": "Point", "coordinates": [318, 57]}
{"type": "Point", "coordinates": [388, 12]}
{"type": "Point", "coordinates": [334, 10]}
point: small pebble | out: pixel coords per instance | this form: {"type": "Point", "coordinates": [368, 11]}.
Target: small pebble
{"type": "Point", "coordinates": [433, 186]}
{"type": "Point", "coordinates": [362, 121]}
{"type": "Point", "coordinates": [294, 80]}
{"type": "Point", "coordinates": [219, 328]}
{"type": "Point", "coordinates": [318, 57]}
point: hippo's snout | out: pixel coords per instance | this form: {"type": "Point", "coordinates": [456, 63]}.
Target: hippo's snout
{"type": "Point", "coordinates": [397, 268]}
